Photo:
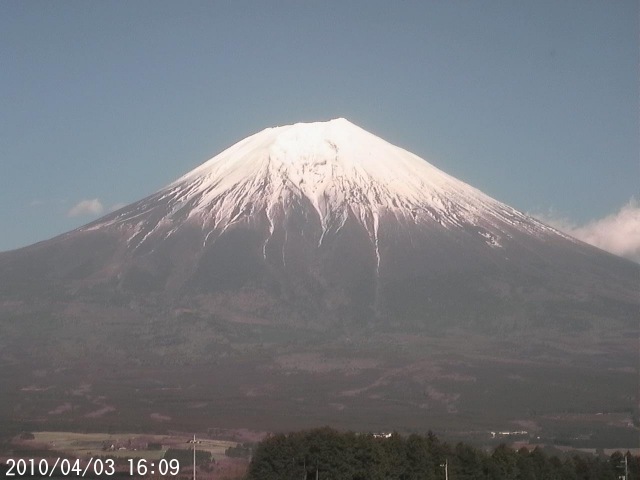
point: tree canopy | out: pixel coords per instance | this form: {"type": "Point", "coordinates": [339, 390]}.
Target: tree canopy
{"type": "Point", "coordinates": [326, 453]}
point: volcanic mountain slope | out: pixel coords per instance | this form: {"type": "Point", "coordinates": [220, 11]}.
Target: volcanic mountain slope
{"type": "Point", "coordinates": [329, 214]}
{"type": "Point", "coordinates": [303, 237]}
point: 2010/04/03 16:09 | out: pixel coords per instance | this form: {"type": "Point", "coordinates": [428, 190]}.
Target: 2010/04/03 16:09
{"type": "Point", "coordinates": [163, 467]}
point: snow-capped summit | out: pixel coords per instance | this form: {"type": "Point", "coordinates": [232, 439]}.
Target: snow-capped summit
{"type": "Point", "coordinates": [334, 165]}
{"type": "Point", "coordinates": [331, 172]}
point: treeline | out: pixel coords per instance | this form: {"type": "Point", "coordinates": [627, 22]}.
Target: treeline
{"type": "Point", "coordinates": [328, 454]}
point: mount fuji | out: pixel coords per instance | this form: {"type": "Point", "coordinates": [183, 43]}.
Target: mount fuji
{"type": "Point", "coordinates": [321, 274]}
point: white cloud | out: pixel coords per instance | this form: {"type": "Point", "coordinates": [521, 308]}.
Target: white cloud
{"type": "Point", "coordinates": [86, 207]}
{"type": "Point", "coordinates": [618, 233]}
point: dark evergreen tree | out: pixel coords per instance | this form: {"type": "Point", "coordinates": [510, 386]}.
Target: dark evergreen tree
{"type": "Point", "coordinates": [468, 463]}
{"type": "Point", "coordinates": [502, 464]}
{"type": "Point", "coordinates": [420, 459]}
{"type": "Point", "coordinates": [395, 456]}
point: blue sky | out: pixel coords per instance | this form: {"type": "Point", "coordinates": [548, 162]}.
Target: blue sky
{"type": "Point", "coordinates": [535, 103]}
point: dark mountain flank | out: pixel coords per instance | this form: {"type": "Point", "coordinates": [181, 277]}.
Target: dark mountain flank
{"type": "Point", "coordinates": [316, 274]}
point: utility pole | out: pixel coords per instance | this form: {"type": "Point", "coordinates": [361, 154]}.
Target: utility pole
{"type": "Point", "coordinates": [626, 468]}
{"type": "Point", "coordinates": [194, 456]}
{"type": "Point", "coordinates": [446, 468]}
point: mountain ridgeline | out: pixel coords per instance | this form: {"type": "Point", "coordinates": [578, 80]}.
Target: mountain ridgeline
{"type": "Point", "coordinates": [318, 256]}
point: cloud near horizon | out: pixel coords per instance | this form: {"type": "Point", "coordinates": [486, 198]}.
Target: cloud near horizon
{"type": "Point", "coordinates": [86, 207]}
{"type": "Point", "coordinates": [618, 233]}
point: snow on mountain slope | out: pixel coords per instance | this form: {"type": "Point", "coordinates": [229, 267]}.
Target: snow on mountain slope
{"type": "Point", "coordinates": [338, 168]}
